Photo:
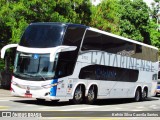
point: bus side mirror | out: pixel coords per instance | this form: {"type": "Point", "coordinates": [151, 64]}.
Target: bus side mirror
{"type": "Point", "coordinates": [3, 50]}
{"type": "Point", "coordinates": [61, 49]}
{"type": "Point", "coordinates": [68, 48]}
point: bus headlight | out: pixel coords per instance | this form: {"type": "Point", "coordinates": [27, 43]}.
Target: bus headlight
{"type": "Point", "coordinates": [47, 86]}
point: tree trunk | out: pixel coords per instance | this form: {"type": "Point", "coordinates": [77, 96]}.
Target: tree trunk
{"type": "Point", "coordinates": [146, 37]}
{"type": "Point", "coordinates": [7, 62]}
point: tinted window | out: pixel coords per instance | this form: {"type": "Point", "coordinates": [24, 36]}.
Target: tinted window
{"type": "Point", "coordinates": [100, 72]}
{"type": "Point", "coordinates": [117, 46]}
{"type": "Point", "coordinates": [67, 60]}
{"type": "Point", "coordinates": [145, 53]}
{"type": "Point", "coordinates": [42, 36]}
{"type": "Point", "coordinates": [92, 41]}
{"type": "Point", "coordinates": [64, 68]}
{"type": "Point", "coordinates": [98, 41]}
{"type": "Point", "coordinates": [73, 36]}
{"type": "Point", "coordinates": [35, 67]}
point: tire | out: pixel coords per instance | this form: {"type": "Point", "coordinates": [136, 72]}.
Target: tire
{"type": "Point", "coordinates": [92, 95]}
{"type": "Point", "coordinates": [137, 97]}
{"type": "Point", "coordinates": [144, 94]}
{"type": "Point", "coordinates": [78, 95]}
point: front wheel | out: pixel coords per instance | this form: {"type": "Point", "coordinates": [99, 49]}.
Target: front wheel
{"type": "Point", "coordinates": [78, 95]}
{"type": "Point", "coordinates": [92, 95]}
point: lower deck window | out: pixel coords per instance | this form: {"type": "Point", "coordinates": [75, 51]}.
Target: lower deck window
{"type": "Point", "coordinates": [100, 72]}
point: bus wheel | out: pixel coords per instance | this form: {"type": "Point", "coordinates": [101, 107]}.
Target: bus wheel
{"type": "Point", "coordinates": [137, 95]}
{"type": "Point", "coordinates": [78, 95]}
{"type": "Point", "coordinates": [144, 94]}
{"type": "Point", "coordinates": [92, 95]}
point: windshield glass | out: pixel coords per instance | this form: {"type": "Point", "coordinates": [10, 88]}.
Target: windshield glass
{"type": "Point", "coordinates": [34, 66]}
{"type": "Point", "coordinates": [42, 35]}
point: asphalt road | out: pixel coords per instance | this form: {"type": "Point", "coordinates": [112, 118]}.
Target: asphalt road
{"type": "Point", "coordinates": [110, 109]}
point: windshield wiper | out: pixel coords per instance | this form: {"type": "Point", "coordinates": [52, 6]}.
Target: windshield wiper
{"type": "Point", "coordinates": [30, 75]}
{"type": "Point", "coordinates": [39, 73]}
{"type": "Point", "coordinates": [35, 75]}
{"type": "Point", "coordinates": [42, 76]}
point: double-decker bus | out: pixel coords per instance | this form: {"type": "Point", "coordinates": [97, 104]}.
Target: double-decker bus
{"type": "Point", "coordinates": [63, 61]}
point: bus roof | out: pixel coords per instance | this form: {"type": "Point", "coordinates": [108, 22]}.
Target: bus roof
{"type": "Point", "coordinates": [58, 23]}
{"type": "Point", "coordinates": [123, 38]}
{"type": "Point", "coordinates": [96, 30]}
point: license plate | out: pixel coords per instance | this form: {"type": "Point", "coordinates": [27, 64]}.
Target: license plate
{"type": "Point", "coordinates": [28, 95]}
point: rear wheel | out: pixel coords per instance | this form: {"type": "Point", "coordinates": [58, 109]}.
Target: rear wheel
{"type": "Point", "coordinates": [92, 95]}
{"type": "Point", "coordinates": [78, 95]}
{"type": "Point", "coordinates": [137, 95]}
{"type": "Point", "coordinates": [144, 94]}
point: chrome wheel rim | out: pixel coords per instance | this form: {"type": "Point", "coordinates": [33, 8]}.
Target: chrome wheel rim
{"type": "Point", "coordinates": [144, 94]}
{"type": "Point", "coordinates": [78, 94]}
{"type": "Point", "coordinates": [91, 95]}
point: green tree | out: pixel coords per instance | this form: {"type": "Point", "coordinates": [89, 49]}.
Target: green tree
{"type": "Point", "coordinates": [155, 9]}
{"type": "Point", "coordinates": [5, 34]}
{"type": "Point", "coordinates": [135, 20]}
{"type": "Point", "coordinates": [15, 15]}
{"type": "Point", "coordinates": [105, 16]}
{"type": "Point", "coordinates": [154, 23]}
{"type": "Point", "coordinates": [155, 34]}
{"type": "Point", "coordinates": [18, 14]}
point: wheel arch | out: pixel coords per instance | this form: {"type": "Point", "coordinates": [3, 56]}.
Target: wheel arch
{"type": "Point", "coordinates": [145, 88]}
{"type": "Point", "coordinates": [138, 87]}
{"type": "Point", "coordinates": [83, 86]}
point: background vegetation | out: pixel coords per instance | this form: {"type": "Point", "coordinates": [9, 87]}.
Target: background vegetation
{"type": "Point", "coordinates": [129, 18]}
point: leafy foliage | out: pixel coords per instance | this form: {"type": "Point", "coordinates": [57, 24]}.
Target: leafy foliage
{"type": "Point", "coordinates": [106, 17]}
{"type": "Point", "coordinates": [155, 10]}
{"type": "Point", "coordinates": [155, 35]}
{"type": "Point", "coordinates": [135, 20]}
{"type": "Point", "coordinates": [18, 14]}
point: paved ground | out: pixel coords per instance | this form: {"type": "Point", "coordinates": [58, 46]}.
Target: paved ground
{"type": "Point", "coordinates": [5, 93]}
{"type": "Point", "coordinates": [10, 103]}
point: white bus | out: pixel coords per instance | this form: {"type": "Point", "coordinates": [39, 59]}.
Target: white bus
{"type": "Point", "coordinates": [158, 82]}
{"type": "Point", "coordinates": [61, 62]}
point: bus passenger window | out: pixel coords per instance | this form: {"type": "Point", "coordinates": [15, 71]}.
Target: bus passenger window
{"type": "Point", "coordinates": [92, 41]}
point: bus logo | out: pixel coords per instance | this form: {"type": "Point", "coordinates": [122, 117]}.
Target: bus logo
{"type": "Point", "coordinates": [35, 56]}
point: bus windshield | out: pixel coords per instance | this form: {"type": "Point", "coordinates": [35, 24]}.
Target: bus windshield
{"type": "Point", "coordinates": [34, 66]}
{"type": "Point", "coordinates": [43, 36]}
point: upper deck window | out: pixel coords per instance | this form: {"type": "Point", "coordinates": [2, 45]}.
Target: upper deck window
{"type": "Point", "coordinates": [108, 43]}
{"type": "Point", "coordinates": [43, 36]}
